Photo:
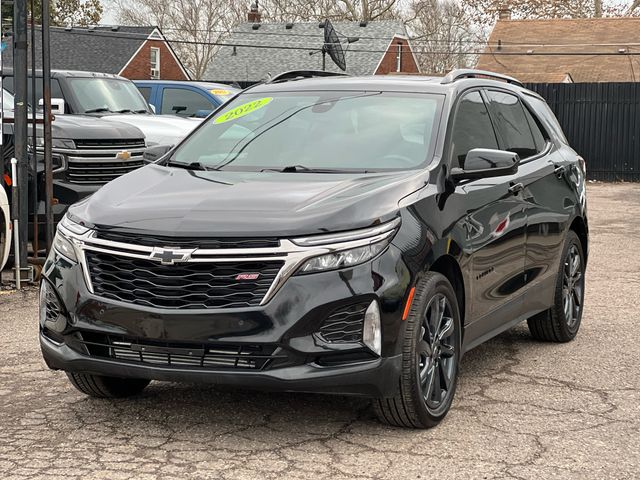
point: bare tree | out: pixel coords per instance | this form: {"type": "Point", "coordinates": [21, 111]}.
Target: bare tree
{"type": "Point", "coordinates": [196, 25]}
{"type": "Point", "coordinates": [444, 35]}
{"type": "Point", "coordinates": [305, 10]}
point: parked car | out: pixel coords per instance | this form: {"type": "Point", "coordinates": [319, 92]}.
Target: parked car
{"type": "Point", "coordinates": [185, 99]}
{"type": "Point", "coordinates": [334, 235]}
{"type": "Point", "coordinates": [111, 97]}
{"type": "Point", "coordinates": [87, 153]}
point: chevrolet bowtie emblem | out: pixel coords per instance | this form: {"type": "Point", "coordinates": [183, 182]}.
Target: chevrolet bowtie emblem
{"type": "Point", "coordinates": [123, 155]}
{"type": "Point", "coordinates": [168, 256]}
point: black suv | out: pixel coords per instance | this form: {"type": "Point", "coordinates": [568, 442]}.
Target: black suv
{"type": "Point", "coordinates": [333, 235]}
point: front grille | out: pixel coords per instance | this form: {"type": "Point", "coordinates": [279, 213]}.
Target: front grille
{"type": "Point", "coordinates": [96, 162]}
{"type": "Point", "coordinates": [189, 285]}
{"type": "Point", "coordinates": [110, 143]}
{"type": "Point", "coordinates": [167, 354]}
{"type": "Point", "coordinates": [190, 242]}
{"type": "Point", "coordinates": [345, 324]}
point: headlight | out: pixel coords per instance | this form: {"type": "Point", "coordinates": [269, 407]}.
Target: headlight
{"type": "Point", "coordinates": [64, 246]}
{"type": "Point", "coordinates": [345, 258]}
{"type": "Point", "coordinates": [73, 227]}
{"type": "Point", "coordinates": [55, 143]}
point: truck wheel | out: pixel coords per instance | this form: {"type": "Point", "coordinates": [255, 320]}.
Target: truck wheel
{"type": "Point", "coordinates": [430, 357]}
{"type": "Point", "coordinates": [106, 387]}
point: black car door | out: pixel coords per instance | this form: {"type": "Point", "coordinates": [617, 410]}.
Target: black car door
{"type": "Point", "coordinates": [492, 226]}
{"type": "Point", "coordinates": [543, 193]}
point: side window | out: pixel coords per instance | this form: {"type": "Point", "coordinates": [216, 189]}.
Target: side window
{"type": "Point", "coordinates": [183, 102]}
{"type": "Point", "coordinates": [544, 111]}
{"type": "Point", "coordinates": [146, 92]}
{"type": "Point", "coordinates": [511, 123]}
{"type": "Point", "coordinates": [471, 129]}
{"type": "Point", "coordinates": [539, 138]}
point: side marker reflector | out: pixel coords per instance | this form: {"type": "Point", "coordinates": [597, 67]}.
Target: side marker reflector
{"type": "Point", "coordinates": [407, 306]}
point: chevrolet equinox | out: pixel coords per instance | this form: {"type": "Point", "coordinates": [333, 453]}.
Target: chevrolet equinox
{"type": "Point", "coordinates": [327, 234]}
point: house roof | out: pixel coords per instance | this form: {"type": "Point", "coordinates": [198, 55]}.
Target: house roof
{"type": "Point", "coordinates": [583, 36]}
{"type": "Point", "coordinates": [249, 63]}
{"type": "Point", "coordinates": [97, 50]}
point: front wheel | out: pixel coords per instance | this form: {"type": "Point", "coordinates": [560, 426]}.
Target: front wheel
{"type": "Point", "coordinates": [430, 357]}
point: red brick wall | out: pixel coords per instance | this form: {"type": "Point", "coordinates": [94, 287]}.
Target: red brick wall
{"type": "Point", "coordinates": [388, 64]}
{"type": "Point", "coordinates": [139, 67]}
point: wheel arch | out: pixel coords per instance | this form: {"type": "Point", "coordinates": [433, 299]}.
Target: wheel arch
{"type": "Point", "coordinates": [448, 266]}
{"type": "Point", "coordinates": [579, 225]}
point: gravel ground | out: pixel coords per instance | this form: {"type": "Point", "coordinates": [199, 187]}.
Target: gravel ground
{"type": "Point", "coordinates": [523, 409]}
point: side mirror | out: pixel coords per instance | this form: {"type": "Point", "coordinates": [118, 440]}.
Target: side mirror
{"type": "Point", "coordinates": [57, 105]}
{"type": "Point", "coordinates": [155, 153]}
{"type": "Point", "coordinates": [485, 162]}
{"type": "Point", "coordinates": [153, 107]}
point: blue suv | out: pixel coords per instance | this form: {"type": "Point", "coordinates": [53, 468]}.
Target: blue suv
{"type": "Point", "coordinates": [186, 99]}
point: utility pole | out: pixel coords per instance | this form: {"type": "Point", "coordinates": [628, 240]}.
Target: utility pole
{"type": "Point", "coordinates": [20, 122]}
{"type": "Point", "coordinates": [46, 97]}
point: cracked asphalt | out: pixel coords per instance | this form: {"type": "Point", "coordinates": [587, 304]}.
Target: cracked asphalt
{"type": "Point", "coordinates": [523, 409]}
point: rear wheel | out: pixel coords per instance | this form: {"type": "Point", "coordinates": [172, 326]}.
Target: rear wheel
{"type": "Point", "coordinates": [431, 353]}
{"type": "Point", "coordinates": [561, 322]}
{"type": "Point", "coordinates": [107, 387]}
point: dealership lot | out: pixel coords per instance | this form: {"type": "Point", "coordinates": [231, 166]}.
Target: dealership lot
{"type": "Point", "coordinates": [523, 409]}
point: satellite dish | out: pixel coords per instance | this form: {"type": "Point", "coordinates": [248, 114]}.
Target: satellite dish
{"type": "Point", "coordinates": [333, 47]}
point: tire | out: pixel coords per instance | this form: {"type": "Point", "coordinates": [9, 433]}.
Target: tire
{"type": "Point", "coordinates": [106, 387]}
{"type": "Point", "coordinates": [411, 407]}
{"type": "Point", "coordinates": [562, 321]}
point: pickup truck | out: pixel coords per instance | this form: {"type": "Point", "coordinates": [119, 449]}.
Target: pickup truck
{"type": "Point", "coordinates": [185, 99]}
{"type": "Point", "coordinates": [112, 98]}
{"type": "Point", "coordinates": [87, 153]}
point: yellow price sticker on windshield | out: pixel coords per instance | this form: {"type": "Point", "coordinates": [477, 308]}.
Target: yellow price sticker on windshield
{"type": "Point", "coordinates": [242, 110]}
{"type": "Point", "coordinates": [221, 93]}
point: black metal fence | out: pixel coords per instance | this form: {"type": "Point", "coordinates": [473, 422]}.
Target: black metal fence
{"type": "Point", "coordinates": [602, 123]}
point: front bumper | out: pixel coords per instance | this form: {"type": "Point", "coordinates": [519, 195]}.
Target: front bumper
{"type": "Point", "coordinates": [288, 323]}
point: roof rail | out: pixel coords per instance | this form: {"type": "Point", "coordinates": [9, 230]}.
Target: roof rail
{"type": "Point", "coordinates": [300, 74]}
{"type": "Point", "coordinates": [461, 73]}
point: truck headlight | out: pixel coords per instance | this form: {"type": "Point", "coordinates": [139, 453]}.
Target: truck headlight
{"type": "Point", "coordinates": [345, 258]}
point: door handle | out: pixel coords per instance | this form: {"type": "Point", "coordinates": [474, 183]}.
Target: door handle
{"type": "Point", "coordinates": [515, 188]}
{"type": "Point", "coordinates": [559, 170]}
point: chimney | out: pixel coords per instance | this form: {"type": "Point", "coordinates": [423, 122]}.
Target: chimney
{"type": "Point", "coordinates": [254, 15]}
{"type": "Point", "coordinates": [504, 13]}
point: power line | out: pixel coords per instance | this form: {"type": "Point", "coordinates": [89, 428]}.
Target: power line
{"type": "Point", "coordinates": [311, 48]}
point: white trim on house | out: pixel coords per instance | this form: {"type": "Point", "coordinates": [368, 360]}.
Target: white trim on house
{"type": "Point", "coordinates": [155, 66]}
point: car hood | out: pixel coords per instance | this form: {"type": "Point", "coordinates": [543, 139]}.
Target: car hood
{"type": "Point", "coordinates": [87, 127]}
{"type": "Point", "coordinates": [183, 202]}
{"type": "Point", "coordinates": [158, 129]}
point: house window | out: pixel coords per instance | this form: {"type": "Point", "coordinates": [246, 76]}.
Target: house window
{"type": "Point", "coordinates": [399, 57]}
{"type": "Point", "coordinates": [155, 63]}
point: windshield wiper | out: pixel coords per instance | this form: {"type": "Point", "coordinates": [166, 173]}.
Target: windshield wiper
{"type": "Point", "coordinates": [98, 110]}
{"type": "Point", "coordinates": [302, 168]}
{"type": "Point", "coordinates": [187, 166]}
{"type": "Point", "coordinates": [124, 110]}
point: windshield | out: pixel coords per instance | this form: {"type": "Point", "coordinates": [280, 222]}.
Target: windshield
{"type": "Point", "coordinates": [341, 131]}
{"type": "Point", "coordinates": [107, 95]}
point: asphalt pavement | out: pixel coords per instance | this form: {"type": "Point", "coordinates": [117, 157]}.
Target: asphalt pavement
{"type": "Point", "coordinates": [523, 409]}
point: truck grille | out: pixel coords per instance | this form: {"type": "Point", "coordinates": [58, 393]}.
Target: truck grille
{"type": "Point", "coordinates": [167, 354]}
{"type": "Point", "coordinates": [188, 285]}
{"type": "Point", "coordinates": [97, 162]}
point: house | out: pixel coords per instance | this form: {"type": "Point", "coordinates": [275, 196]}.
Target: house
{"type": "Point", "coordinates": [138, 53]}
{"type": "Point", "coordinates": [255, 49]}
{"type": "Point", "coordinates": [565, 50]}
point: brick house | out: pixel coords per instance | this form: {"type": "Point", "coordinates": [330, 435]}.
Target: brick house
{"type": "Point", "coordinates": [138, 53]}
{"type": "Point", "coordinates": [254, 49]}
{"type": "Point", "coordinates": [583, 49]}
